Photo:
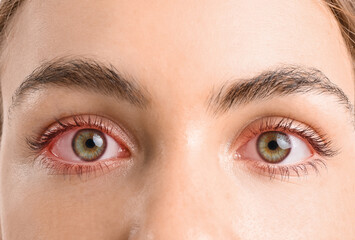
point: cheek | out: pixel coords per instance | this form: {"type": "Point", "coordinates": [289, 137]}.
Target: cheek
{"type": "Point", "coordinates": [33, 210]}
{"type": "Point", "coordinates": [302, 211]}
{"type": "Point", "coordinates": [36, 204]}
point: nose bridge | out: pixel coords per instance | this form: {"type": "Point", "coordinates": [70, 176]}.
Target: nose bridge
{"type": "Point", "coordinates": [181, 202]}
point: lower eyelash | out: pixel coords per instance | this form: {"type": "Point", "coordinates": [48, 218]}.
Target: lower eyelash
{"type": "Point", "coordinates": [285, 172]}
{"type": "Point", "coordinates": [56, 167]}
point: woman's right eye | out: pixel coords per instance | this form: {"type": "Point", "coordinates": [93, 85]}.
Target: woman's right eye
{"type": "Point", "coordinates": [86, 146]}
{"type": "Point", "coordinates": [82, 144]}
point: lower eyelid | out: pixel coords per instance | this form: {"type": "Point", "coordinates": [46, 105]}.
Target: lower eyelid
{"type": "Point", "coordinates": [54, 166]}
{"type": "Point", "coordinates": [286, 172]}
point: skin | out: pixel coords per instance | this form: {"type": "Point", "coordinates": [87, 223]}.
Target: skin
{"type": "Point", "coordinates": [182, 182]}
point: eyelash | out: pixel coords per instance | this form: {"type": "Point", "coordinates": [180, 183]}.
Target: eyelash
{"type": "Point", "coordinates": [38, 144]}
{"type": "Point", "coordinates": [319, 143]}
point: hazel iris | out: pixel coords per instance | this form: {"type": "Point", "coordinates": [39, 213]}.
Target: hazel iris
{"type": "Point", "coordinates": [273, 146]}
{"type": "Point", "coordinates": [89, 144]}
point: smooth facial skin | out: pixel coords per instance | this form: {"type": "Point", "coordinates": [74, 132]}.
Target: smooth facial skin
{"type": "Point", "coordinates": [184, 173]}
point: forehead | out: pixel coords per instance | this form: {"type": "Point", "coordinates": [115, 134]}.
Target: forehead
{"type": "Point", "coordinates": [180, 42]}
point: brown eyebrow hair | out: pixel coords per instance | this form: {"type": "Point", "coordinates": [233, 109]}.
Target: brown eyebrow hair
{"type": "Point", "coordinates": [82, 73]}
{"type": "Point", "coordinates": [282, 81]}
{"type": "Point", "coordinates": [93, 76]}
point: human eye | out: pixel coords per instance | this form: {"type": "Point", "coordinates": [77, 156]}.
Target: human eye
{"type": "Point", "coordinates": [81, 144]}
{"type": "Point", "coordinates": [283, 148]}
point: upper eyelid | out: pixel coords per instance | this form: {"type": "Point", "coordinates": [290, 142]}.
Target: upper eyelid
{"type": "Point", "coordinates": [39, 142]}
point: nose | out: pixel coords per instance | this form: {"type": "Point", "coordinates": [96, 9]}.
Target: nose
{"type": "Point", "coordinates": [186, 198]}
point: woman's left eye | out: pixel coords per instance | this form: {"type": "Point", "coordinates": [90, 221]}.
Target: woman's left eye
{"type": "Point", "coordinates": [276, 148]}
{"type": "Point", "coordinates": [87, 145]}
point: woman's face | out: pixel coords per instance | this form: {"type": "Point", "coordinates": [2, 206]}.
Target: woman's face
{"type": "Point", "coordinates": [177, 120]}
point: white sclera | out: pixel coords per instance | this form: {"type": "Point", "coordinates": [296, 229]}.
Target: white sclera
{"type": "Point", "coordinates": [299, 151]}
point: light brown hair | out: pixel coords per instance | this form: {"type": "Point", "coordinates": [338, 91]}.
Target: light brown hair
{"type": "Point", "coordinates": [344, 12]}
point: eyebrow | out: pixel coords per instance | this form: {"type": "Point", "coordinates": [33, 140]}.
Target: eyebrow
{"type": "Point", "coordinates": [83, 73]}
{"type": "Point", "coordinates": [91, 75]}
{"type": "Point", "coordinates": [282, 81]}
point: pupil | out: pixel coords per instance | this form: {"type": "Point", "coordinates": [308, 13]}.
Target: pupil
{"type": "Point", "coordinates": [90, 143]}
{"type": "Point", "coordinates": [272, 145]}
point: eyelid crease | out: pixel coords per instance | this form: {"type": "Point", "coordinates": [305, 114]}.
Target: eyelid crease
{"type": "Point", "coordinates": [54, 166]}
{"type": "Point", "coordinates": [285, 172]}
